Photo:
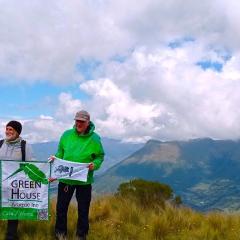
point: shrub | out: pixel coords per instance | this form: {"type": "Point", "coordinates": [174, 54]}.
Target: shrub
{"type": "Point", "coordinates": [146, 193]}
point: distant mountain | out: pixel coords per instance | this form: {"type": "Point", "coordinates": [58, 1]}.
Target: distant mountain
{"type": "Point", "coordinates": [42, 151]}
{"type": "Point", "coordinates": [115, 151]}
{"type": "Point", "coordinates": [205, 172]}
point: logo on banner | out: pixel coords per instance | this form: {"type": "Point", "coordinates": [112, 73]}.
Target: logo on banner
{"type": "Point", "coordinates": [63, 169]}
{"type": "Point", "coordinates": [18, 186]}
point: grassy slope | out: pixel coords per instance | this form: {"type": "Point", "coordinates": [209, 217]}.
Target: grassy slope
{"type": "Point", "coordinates": [122, 219]}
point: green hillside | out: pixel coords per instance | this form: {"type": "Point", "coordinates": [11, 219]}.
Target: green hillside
{"type": "Point", "coordinates": [204, 172]}
{"type": "Point", "coordinates": [118, 217]}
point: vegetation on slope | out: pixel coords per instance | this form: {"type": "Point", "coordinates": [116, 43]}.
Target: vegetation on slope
{"type": "Point", "coordinates": [124, 216]}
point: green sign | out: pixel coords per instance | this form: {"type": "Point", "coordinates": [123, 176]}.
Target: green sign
{"type": "Point", "coordinates": [24, 190]}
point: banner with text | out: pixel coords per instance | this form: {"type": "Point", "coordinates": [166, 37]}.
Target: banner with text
{"type": "Point", "coordinates": [62, 169]}
{"type": "Point", "coordinates": [24, 190]}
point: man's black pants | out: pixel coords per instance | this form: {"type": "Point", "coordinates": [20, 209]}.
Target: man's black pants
{"type": "Point", "coordinates": [11, 233]}
{"type": "Point", "coordinates": [83, 196]}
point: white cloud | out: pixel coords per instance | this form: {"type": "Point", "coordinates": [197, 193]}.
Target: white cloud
{"type": "Point", "coordinates": [159, 93]}
{"type": "Point", "coordinates": [123, 116]}
{"type": "Point", "coordinates": [156, 91]}
{"type": "Point", "coordinates": [42, 130]}
{"type": "Point", "coordinates": [67, 106]}
{"type": "Point", "coordinates": [167, 96]}
{"type": "Point", "coordinates": [46, 117]}
{"type": "Point", "coordinates": [45, 40]}
{"type": "Point", "coordinates": [231, 70]}
{"type": "Point", "coordinates": [49, 128]}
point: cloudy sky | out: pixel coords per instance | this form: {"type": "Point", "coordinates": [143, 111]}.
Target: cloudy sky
{"type": "Point", "coordinates": [167, 70]}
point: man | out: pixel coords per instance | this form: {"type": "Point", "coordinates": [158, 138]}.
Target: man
{"type": "Point", "coordinates": [11, 150]}
{"type": "Point", "coordinates": [79, 144]}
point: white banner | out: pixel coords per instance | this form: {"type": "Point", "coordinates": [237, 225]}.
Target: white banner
{"type": "Point", "coordinates": [62, 169]}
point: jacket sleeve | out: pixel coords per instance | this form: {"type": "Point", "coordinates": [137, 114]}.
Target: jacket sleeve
{"type": "Point", "coordinates": [99, 156]}
{"type": "Point", "coordinates": [60, 151]}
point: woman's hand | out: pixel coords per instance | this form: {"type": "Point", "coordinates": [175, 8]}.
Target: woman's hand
{"type": "Point", "coordinates": [51, 179]}
{"type": "Point", "coordinates": [51, 159]}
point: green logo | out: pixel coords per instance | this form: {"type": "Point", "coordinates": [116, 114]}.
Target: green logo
{"type": "Point", "coordinates": [33, 172]}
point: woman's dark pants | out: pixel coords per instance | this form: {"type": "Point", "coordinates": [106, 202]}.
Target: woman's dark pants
{"type": "Point", "coordinates": [11, 233]}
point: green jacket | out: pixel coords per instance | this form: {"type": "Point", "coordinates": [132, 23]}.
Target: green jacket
{"type": "Point", "coordinates": [85, 148]}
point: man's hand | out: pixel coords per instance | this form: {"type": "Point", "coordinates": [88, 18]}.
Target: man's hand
{"type": "Point", "coordinates": [91, 166]}
{"type": "Point", "coordinates": [51, 159]}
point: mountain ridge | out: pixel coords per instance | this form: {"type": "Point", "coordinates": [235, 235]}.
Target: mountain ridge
{"type": "Point", "coordinates": [115, 151]}
{"type": "Point", "coordinates": [202, 171]}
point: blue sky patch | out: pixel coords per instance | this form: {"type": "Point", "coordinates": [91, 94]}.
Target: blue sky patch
{"type": "Point", "coordinates": [87, 68]}
{"type": "Point", "coordinates": [29, 100]}
{"type": "Point", "coordinates": [119, 58]}
{"type": "Point", "coordinates": [215, 66]}
{"type": "Point", "coordinates": [180, 42]}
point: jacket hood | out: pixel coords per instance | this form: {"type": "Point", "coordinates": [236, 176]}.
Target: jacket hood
{"type": "Point", "coordinates": [89, 130]}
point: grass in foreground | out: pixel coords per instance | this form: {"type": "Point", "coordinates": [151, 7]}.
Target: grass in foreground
{"type": "Point", "coordinates": [118, 218]}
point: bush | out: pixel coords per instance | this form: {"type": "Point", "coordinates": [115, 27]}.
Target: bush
{"type": "Point", "coordinates": [177, 200]}
{"type": "Point", "coordinates": [146, 193]}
